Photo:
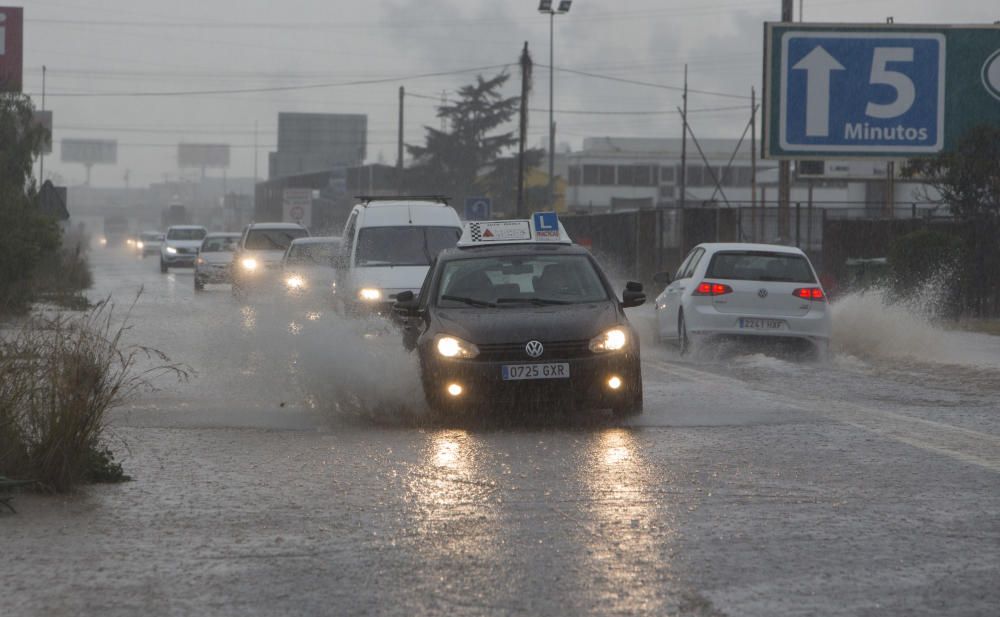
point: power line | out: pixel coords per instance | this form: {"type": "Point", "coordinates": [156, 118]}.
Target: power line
{"type": "Point", "coordinates": [645, 83]}
{"type": "Point", "coordinates": [595, 112]}
{"type": "Point", "coordinates": [362, 82]}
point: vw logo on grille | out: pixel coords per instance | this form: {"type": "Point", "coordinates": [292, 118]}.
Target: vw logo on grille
{"type": "Point", "coordinates": [534, 349]}
{"type": "Point", "coordinates": [762, 293]}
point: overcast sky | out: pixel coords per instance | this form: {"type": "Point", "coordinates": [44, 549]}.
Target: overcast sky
{"type": "Point", "coordinates": [181, 46]}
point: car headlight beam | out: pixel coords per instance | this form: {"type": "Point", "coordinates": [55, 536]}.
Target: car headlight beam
{"type": "Point", "coordinates": [171, 250]}
{"type": "Point", "coordinates": [369, 294]}
{"type": "Point", "coordinates": [249, 264]}
{"type": "Point", "coordinates": [295, 282]}
{"type": "Point", "coordinates": [614, 339]}
{"type": "Point", "coordinates": [454, 347]}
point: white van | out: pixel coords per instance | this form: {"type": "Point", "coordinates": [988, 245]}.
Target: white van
{"type": "Point", "coordinates": [388, 246]}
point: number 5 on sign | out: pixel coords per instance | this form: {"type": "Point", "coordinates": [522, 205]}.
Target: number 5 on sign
{"type": "Point", "coordinates": [906, 93]}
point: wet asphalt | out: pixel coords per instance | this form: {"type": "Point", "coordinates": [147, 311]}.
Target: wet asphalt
{"type": "Point", "coordinates": [296, 473]}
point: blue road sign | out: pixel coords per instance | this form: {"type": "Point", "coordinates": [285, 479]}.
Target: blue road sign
{"type": "Point", "coordinates": [478, 208]}
{"type": "Point", "coordinates": [859, 91]}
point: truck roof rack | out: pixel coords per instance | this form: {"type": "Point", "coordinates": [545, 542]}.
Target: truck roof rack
{"type": "Point", "coordinates": [366, 199]}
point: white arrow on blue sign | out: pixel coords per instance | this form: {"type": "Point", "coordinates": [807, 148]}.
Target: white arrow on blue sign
{"type": "Point", "coordinates": [862, 92]}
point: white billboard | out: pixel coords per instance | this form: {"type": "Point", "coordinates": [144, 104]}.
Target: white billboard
{"type": "Point", "coordinates": [201, 156]}
{"type": "Point", "coordinates": [90, 151]}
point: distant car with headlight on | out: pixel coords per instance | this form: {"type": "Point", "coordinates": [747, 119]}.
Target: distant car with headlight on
{"type": "Point", "coordinates": [307, 267]}
{"type": "Point", "coordinates": [753, 292]}
{"type": "Point", "coordinates": [527, 320]}
{"type": "Point", "coordinates": [262, 246]}
{"type": "Point", "coordinates": [180, 246]}
{"type": "Point", "coordinates": [215, 259]}
{"type": "Point", "coordinates": [149, 243]}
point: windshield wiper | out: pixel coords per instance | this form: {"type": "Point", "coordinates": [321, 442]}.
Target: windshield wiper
{"type": "Point", "coordinates": [537, 301]}
{"type": "Point", "coordinates": [469, 301]}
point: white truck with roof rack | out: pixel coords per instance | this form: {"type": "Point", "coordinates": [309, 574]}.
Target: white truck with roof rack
{"type": "Point", "coordinates": [388, 245]}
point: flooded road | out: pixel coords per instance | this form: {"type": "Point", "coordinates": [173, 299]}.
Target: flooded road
{"type": "Point", "coordinates": [296, 473]}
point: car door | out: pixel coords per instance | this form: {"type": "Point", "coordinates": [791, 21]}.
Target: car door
{"type": "Point", "coordinates": [670, 299]}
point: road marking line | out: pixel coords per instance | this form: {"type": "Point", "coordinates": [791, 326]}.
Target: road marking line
{"type": "Point", "coordinates": [938, 437]}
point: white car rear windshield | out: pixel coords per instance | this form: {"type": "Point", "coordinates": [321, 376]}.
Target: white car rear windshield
{"type": "Point", "coordinates": [760, 266]}
{"type": "Point", "coordinates": [403, 246]}
{"type": "Point", "coordinates": [186, 234]}
{"type": "Point", "coordinates": [272, 239]}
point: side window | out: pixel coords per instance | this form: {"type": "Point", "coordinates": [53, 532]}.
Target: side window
{"type": "Point", "coordinates": [425, 289]}
{"type": "Point", "coordinates": [693, 263]}
{"type": "Point", "coordinates": [348, 246]}
{"type": "Point", "coordinates": [684, 265]}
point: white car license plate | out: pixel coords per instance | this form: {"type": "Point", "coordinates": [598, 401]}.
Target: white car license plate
{"type": "Point", "coordinates": [747, 323]}
{"type": "Point", "coordinates": [553, 370]}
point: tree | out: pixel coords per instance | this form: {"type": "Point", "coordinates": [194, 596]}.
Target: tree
{"type": "Point", "coordinates": [500, 183]}
{"type": "Point", "coordinates": [25, 235]}
{"type": "Point", "coordinates": [451, 160]}
{"type": "Point", "coordinates": [968, 179]}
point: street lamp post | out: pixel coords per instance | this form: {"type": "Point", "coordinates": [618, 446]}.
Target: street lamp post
{"type": "Point", "coordinates": [545, 6]}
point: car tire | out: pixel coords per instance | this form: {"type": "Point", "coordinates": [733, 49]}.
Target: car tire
{"type": "Point", "coordinates": [198, 284]}
{"type": "Point", "coordinates": [683, 341]}
{"type": "Point", "coordinates": [163, 267]}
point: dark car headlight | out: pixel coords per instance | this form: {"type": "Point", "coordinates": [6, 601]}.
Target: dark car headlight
{"type": "Point", "coordinates": [614, 339]}
{"type": "Point", "coordinates": [454, 347]}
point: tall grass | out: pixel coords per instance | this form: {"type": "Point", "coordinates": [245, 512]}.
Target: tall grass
{"type": "Point", "coordinates": [59, 378]}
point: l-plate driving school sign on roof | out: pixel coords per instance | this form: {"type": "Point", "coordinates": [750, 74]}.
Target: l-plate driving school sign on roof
{"type": "Point", "coordinates": [876, 90]}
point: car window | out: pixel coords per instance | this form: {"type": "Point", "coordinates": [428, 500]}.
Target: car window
{"type": "Point", "coordinates": [693, 262]}
{"type": "Point", "coordinates": [272, 239]}
{"type": "Point", "coordinates": [760, 266]}
{"type": "Point", "coordinates": [520, 279]}
{"type": "Point", "coordinates": [314, 253]}
{"type": "Point", "coordinates": [684, 265]}
{"type": "Point", "coordinates": [218, 245]}
{"type": "Point", "coordinates": [348, 246]}
{"type": "Point", "coordinates": [186, 234]}
{"type": "Point", "coordinates": [403, 246]}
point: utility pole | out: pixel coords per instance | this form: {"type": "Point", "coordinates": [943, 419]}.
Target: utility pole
{"type": "Point", "coordinates": [552, 121]}
{"type": "Point", "coordinates": [255, 152]}
{"type": "Point", "coordinates": [399, 145]}
{"type": "Point", "coordinates": [784, 167]}
{"type": "Point", "coordinates": [753, 162]}
{"type": "Point", "coordinates": [683, 178]}
{"type": "Point", "coordinates": [526, 70]}
{"type": "Point", "coordinates": [41, 157]}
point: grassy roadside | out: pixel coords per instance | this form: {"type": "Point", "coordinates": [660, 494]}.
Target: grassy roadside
{"type": "Point", "coordinates": [59, 378]}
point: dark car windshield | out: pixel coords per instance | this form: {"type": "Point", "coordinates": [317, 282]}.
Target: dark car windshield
{"type": "Point", "coordinates": [186, 234]}
{"type": "Point", "coordinates": [403, 246]}
{"type": "Point", "coordinates": [760, 266]}
{"type": "Point", "coordinates": [219, 245]}
{"type": "Point", "coordinates": [150, 236]}
{"type": "Point", "coordinates": [313, 253]}
{"type": "Point", "coordinates": [273, 239]}
{"type": "Point", "coordinates": [519, 280]}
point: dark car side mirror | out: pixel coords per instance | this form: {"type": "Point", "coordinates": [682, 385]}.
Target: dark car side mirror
{"type": "Point", "coordinates": [661, 278]}
{"type": "Point", "coordinates": [406, 304]}
{"type": "Point", "coordinates": [633, 295]}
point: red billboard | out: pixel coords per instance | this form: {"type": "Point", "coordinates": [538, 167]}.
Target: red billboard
{"type": "Point", "coordinates": [11, 56]}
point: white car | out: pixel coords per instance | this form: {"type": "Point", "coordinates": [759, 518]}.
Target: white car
{"type": "Point", "coordinates": [307, 267]}
{"type": "Point", "coordinates": [215, 259]}
{"type": "Point", "coordinates": [262, 246]}
{"type": "Point", "coordinates": [388, 246]}
{"type": "Point", "coordinates": [743, 290]}
{"type": "Point", "coordinates": [180, 246]}
{"type": "Point", "coordinates": [149, 243]}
